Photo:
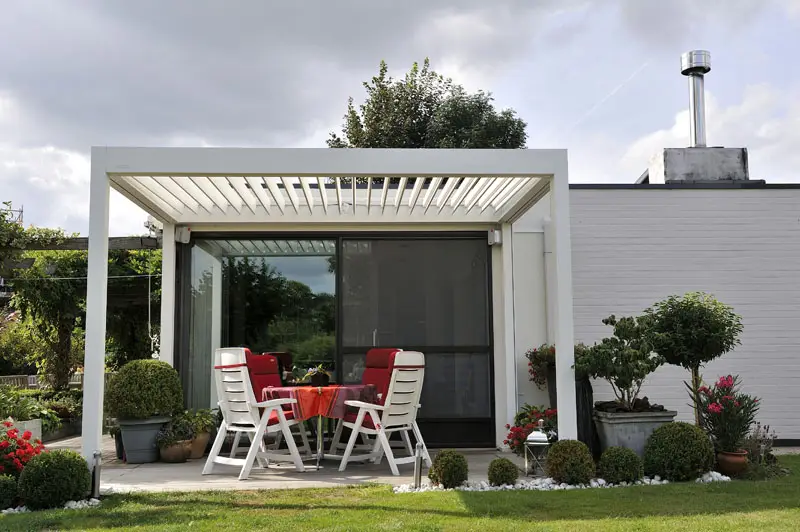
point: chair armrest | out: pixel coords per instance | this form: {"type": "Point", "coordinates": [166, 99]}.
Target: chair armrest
{"type": "Point", "coordinates": [362, 404]}
{"type": "Point", "coordinates": [276, 402]}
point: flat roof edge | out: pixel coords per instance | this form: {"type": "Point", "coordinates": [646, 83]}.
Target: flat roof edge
{"type": "Point", "coordinates": [724, 185]}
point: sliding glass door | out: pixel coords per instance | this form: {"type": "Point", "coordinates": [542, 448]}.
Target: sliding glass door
{"type": "Point", "coordinates": [431, 295]}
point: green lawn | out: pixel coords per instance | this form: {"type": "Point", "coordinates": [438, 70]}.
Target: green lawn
{"type": "Point", "coordinates": [771, 505]}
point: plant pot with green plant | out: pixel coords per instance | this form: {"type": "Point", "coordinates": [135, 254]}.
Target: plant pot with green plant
{"type": "Point", "coordinates": [625, 360]}
{"type": "Point", "coordinates": [174, 442]}
{"type": "Point", "coordinates": [317, 376]}
{"type": "Point", "coordinates": [27, 413]}
{"type": "Point", "coordinates": [727, 415]}
{"type": "Point", "coordinates": [202, 424]}
{"type": "Point", "coordinates": [143, 395]}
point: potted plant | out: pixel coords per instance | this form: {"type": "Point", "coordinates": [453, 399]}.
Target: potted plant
{"type": "Point", "coordinates": [625, 360]}
{"type": "Point", "coordinates": [27, 413]}
{"type": "Point", "coordinates": [526, 421]}
{"type": "Point", "coordinates": [143, 395]}
{"type": "Point", "coordinates": [202, 424]}
{"type": "Point", "coordinates": [317, 376]}
{"type": "Point", "coordinates": [727, 415]}
{"type": "Point", "coordinates": [692, 330]}
{"type": "Point", "coordinates": [542, 369]}
{"type": "Point", "coordinates": [174, 442]}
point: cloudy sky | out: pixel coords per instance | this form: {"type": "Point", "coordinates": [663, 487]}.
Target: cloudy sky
{"type": "Point", "coordinates": [600, 78]}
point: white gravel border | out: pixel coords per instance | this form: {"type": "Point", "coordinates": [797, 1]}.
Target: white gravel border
{"type": "Point", "coordinates": [70, 505]}
{"type": "Point", "coordinates": [548, 484]}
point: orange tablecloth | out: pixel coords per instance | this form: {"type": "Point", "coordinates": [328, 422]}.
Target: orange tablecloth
{"type": "Point", "coordinates": [327, 401]}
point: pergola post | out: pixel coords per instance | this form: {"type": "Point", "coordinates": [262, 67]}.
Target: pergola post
{"type": "Point", "coordinates": [563, 329]}
{"type": "Point", "coordinates": [509, 339]}
{"type": "Point", "coordinates": [167, 334]}
{"type": "Point", "coordinates": [96, 298]}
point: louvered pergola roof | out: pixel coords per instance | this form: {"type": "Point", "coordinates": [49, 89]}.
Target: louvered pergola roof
{"type": "Point", "coordinates": [196, 186]}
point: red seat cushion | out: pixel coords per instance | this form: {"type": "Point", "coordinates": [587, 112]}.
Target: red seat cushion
{"type": "Point", "coordinates": [378, 371]}
{"type": "Point", "coordinates": [273, 417]}
{"type": "Point", "coordinates": [350, 417]}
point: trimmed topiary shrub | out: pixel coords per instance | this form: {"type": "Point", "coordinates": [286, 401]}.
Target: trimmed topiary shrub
{"type": "Point", "coordinates": [449, 469]}
{"type": "Point", "coordinates": [8, 491]}
{"type": "Point", "coordinates": [619, 464]}
{"type": "Point", "coordinates": [678, 451]}
{"type": "Point", "coordinates": [54, 478]}
{"type": "Point", "coordinates": [143, 389]}
{"type": "Point", "coordinates": [502, 471]}
{"type": "Point", "coordinates": [570, 461]}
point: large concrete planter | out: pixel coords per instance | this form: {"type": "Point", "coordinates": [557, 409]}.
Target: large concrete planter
{"type": "Point", "coordinates": [629, 429]}
{"type": "Point", "coordinates": [139, 438]}
{"type": "Point", "coordinates": [33, 425]}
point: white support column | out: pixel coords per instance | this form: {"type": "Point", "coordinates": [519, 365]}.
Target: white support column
{"type": "Point", "coordinates": [216, 323]}
{"type": "Point", "coordinates": [563, 327]}
{"type": "Point", "coordinates": [509, 339]}
{"type": "Point", "coordinates": [96, 298]}
{"type": "Point", "coordinates": [167, 339]}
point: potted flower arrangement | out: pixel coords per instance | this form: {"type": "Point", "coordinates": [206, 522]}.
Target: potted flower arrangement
{"type": "Point", "coordinates": [727, 415]}
{"type": "Point", "coordinates": [175, 441]}
{"type": "Point", "coordinates": [203, 423]}
{"type": "Point", "coordinates": [143, 395]}
{"type": "Point", "coordinates": [526, 421]}
{"type": "Point", "coordinates": [625, 360]}
{"type": "Point", "coordinates": [317, 376]}
{"type": "Point", "coordinates": [542, 369]}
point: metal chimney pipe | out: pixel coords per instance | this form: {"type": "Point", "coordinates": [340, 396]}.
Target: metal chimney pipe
{"type": "Point", "coordinates": [695, 65]}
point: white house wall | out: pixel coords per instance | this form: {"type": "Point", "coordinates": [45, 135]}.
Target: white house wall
{"type": "Point", "coordinates": [633, 247]}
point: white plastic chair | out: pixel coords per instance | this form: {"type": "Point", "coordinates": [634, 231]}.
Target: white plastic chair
{"type": "Point", "coordinates": [397, 414]}
{"type": "Point", "coordinates": [240, 414]}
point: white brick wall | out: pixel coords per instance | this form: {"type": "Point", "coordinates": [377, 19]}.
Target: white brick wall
{"type": "Point", "coordinates": [633, 247]}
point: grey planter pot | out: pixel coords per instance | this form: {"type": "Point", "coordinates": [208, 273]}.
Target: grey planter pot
{"type": "Point", "coordinates": [139, 438]}
{"type": "Point", "coordinates": [33, 425]}
{"type": "Point", "coordinates": [629, 429]}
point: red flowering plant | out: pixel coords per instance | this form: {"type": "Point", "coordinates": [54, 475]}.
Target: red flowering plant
{"type": "Point", "coordinates": [726, 414]}
{"type": "Point", "coordinates": [540, 359]}
{"type": "Point", "coordinates": [16, 449]}
{"type": "Point", "coordinates": [526, 421]}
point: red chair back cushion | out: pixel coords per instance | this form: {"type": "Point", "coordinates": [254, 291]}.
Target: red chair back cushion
{"type": "Point", "coordinates": [378, 371]}
{"type": "Point", "coordinates": [284, 358]}
{"type": "Point", "coordinates": [263, 370]}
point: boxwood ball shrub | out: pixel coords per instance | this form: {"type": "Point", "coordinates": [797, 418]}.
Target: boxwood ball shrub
{"type": "Point", "coordinates": [619, 464]}
{"type": "Point", "coordinates": [54, 478]}
{"type": "Point", "coordinates": [8, 491]}
{"type": "Point", "coordinates": [678, 451]}
{"type": "Point", "coordinates": [502, 471]}
{"type": "Point", "coordinates": [570, 462]}
{"type": "Point", "coordinates": [449, 469]}
{"type": "Point", "coordinates": [143, 389]}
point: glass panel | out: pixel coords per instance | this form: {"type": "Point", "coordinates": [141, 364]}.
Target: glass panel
{"type": "Point", "coordinates": [267, 295]}
{"type": "Point", "coordinates": [456, 385]}
{"type": "Point", "coordinates": [414, 293]}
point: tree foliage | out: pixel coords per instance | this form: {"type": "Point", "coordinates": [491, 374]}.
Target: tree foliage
{"type": "Point", "coordinates": [692, 330]}
{"type": "Point", "coordinates": [426, 110]}
{"type": "Point", "coordinates": [624, 359]}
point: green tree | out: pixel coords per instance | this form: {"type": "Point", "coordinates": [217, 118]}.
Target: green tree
{"type": "Point", "coordinates": [426, 110]}
{"type": "Point", "coordinates": [52, 295]}
{"type": "Point", "coordinates": [692, 330]}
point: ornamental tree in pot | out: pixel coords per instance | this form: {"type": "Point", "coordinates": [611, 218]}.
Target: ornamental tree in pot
{"type": "Point", "coordinates": [691, 330]}
{"type": "Point", "coordinates": [143, 395]}
{"type": "Point", "coordinates": [727, 415]}
{"type": "Point", "coordinates": [625, 360]}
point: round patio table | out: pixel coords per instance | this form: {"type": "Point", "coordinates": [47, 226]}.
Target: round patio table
{"type": "Point", "coordinates": [321, 402]}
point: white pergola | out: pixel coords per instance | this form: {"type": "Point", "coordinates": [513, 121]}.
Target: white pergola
{"type": "Point", "coordinates": [302, 189]}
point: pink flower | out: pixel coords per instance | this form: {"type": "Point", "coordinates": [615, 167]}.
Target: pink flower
{"type": "Point", "coordinates": [705, 390]}
{"type": "Point", "coordinates": [725, 382]}
{"type": "Point", "coordinates": [715, 408]}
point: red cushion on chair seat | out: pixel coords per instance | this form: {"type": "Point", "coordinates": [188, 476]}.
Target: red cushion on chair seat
{"type": "Point", "coordinates": [273, 417]}
{"type": "Point", "coordinates": [350, 417]}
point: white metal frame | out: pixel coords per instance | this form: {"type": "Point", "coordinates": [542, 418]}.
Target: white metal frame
{"type": "Point", "coordinates": [397, 414]}
{"type": "Point", "coordinates": [241, 189]}
{"type": "Point", "coordinates": [240, 414]}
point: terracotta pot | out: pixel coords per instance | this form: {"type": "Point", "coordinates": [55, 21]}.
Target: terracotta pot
{"type": "Point", "coordinates": [174, 453]}
{"type": "Point", "coordinates": [731, 463]}
{"type": "Point", "coordinates": [199, 444]}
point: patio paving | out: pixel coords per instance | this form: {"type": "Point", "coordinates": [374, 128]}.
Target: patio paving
{"type": "Point", "coordinates": [117, 476]}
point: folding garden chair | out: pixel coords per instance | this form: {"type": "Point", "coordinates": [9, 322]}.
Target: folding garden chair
{"type": "Point", "coordinates": [242, 413]}
{"type": "Point", "coordinates": [398, 413]}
